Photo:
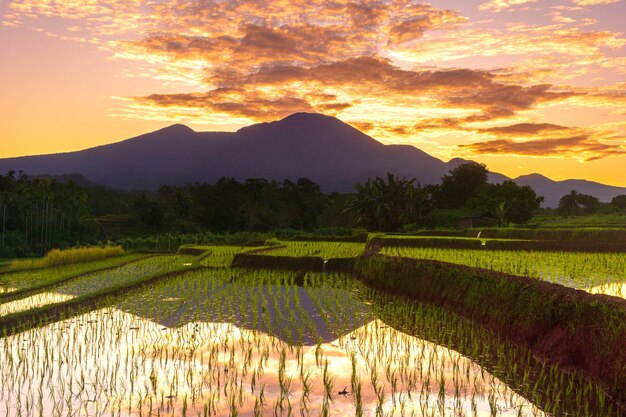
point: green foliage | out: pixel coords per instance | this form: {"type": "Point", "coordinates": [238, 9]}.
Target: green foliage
{"type": "Point", "coordinates": [385, 205]}
{"type": "Point", "coordinates": [518, 309]}
{"type": "Point", "coordinates": [39, 214]}
{"type": "Point", "coordinates": [576, 204]}
{"type": "Point", "coordinates": [506, 202]}
{"type": "Point", "coordinates": [619, 201]}
{"type": "Point", "coordinates": [276, 340]}
{"type": "Point", "coordinates": [462, 184]}
{"type": "Point", "coordinates": [148, 213]}
{"type": "Point", "coordinates": [447, 218]}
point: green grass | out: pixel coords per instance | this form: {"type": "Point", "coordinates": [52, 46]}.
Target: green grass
{"type": "Point", "coordinates": [325, 250]}
{"type": "Point", "coordinates": [25, 280]}
{"type": "Point", "coordinates": [577, 270]}
{"type": "Point", "coordinates": [58, 257]}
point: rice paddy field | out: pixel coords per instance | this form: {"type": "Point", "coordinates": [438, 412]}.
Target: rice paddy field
{"type": "Point", "coordinates": [188, 335]}
{"type": "Point", "coordinates": [593, 272]}
{"type": "Point", "coordinates": [325, 250]}
{"type": "Point", "coordinates": [221, 256]}
{"type": "Point", "coordinates": [13, 281]}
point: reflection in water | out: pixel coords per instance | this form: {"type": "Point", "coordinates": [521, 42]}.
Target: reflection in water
{"type": "Point", "coordinates": [109, 361]}
{"type": "Point", "coordinates": [97, 281]}
{"type": "Point", "coordinates": [34, 301]}
{"type": "Point", "coordinates": [617, 289]}
{"type": "Point", "coordinates": [206, 345]}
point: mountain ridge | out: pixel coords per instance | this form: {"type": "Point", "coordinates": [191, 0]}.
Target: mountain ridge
{"type": "Point", "coordinates": [330, 152]}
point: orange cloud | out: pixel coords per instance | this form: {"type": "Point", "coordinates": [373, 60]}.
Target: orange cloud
{"type": "Point", "coordinates": [544, 139]}
{"type": "Point", "coordinates": [578, 147]}
{"type": "Point", "coordinates": [399, 68]}
{"type": "Point", "coordinates": [594, 2]}
{"type": "Point", "coordinates": [500, 5]}
{"type": "Point", "coordinates": [366, 77]}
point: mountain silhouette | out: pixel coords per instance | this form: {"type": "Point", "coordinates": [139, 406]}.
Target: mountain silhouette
{"type": "Point", "coordinates": [554, 190]}
{"type": "Point", "coordinates": [322, 148]}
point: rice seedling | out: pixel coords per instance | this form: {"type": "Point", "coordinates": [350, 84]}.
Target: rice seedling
{"type": "Point", "coordinates": [11, 282]}
{"type": "Point", "coordinates": [325, 250]}
{"type": "Point", "coordinates": [235, 342]}
{"type": "Point", "coordinates": [593, 272]}
{"type": "Point", "coordinates": [222, 256]}
{"type": "Point", "coordinates": [97, 281]}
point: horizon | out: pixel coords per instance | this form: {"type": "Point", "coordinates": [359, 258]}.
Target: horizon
{"type": "Point", "coordinates": [535, 86]}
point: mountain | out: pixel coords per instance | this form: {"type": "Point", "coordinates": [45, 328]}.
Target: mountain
{"type": "Point", "coordinates": [322, 148]}
{"type": "Point", "coordinates": [554, 190]}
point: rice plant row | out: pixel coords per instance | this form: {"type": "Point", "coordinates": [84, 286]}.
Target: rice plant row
{"type": "Point", "coordinates": [229, 342]}
{"type": "Point", "coordinates": [98, 281]}
{"type": "Point", "coordinates": [593, 272]}
{"type": "Point", "coordinates": [23, 280]}
{"type": "Point", "coordinates": [325, 250]}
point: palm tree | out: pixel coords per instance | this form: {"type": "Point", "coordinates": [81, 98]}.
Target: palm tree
{"type": "Point", "coordinates": [501, 212]}
{"type": "Point", "coordinates": [381, 205]}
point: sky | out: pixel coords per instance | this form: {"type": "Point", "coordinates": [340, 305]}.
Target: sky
{"type": "Point", "coordinates": [523, 86]}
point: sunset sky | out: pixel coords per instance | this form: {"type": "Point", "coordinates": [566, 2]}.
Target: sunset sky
{"type": "Point", "coordinates": [522, 85]}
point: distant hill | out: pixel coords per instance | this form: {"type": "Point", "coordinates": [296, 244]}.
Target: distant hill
{"type": "Point", "coordinates": [322, 148]}
{"type": "Point", "coordinates": [554, 190]}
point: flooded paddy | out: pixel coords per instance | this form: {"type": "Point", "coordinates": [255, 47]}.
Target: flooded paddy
{"type": "Point", "coordinates": [244, 343]}
{"type": "Point", "coordinates": [96, 281]}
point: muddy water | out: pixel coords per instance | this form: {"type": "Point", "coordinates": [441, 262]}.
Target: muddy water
{"type": "Point", "coordinates": [207, 346]}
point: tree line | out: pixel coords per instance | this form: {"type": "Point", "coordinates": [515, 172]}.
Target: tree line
{"type": "Point", "coordinates": [579, 204]}
{"type": "Point", "coordinates": [38, 214]}
{"type": "Point", "coordinates": [383, 204]}
{"type": "Point", "coordinates": [465, 192]}
{"type": "Point", "coordinates": [42, 213]}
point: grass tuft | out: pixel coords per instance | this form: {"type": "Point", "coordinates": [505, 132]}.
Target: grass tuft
{"type": "Point", "coordinates": [58, 257]}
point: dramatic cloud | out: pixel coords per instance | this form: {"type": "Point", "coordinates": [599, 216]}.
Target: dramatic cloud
{"type": "Point", "coordinates": [369, 78]}
{"type": "Point", "coordinates": [578, 147]}
{"type": "Point", "coordinates": [542, 139]}
{"type": "Point", "coordinates": [524, 129]}
{"type": "Point", "coordinates": [402, 70]}
{"type": "Point", "coordinates": [594, 2]}
{"type": "Point", "coordinates": [499, 5]}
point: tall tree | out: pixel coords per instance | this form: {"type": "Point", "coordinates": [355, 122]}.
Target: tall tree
{"type": "Point", "coordinates": [575, 204]}
{"type": "Point", "coordinates": [461, 184]}
{"type": "Point", "coordinates": [619, 201]}
{"type": "Point", "coordinates": [381, 205]}
{"type": "Point", "coordinates": [506, 202]}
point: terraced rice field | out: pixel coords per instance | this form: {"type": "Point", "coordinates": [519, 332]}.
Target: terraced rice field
{"type": "Point", "coordinates": [325, 250]}
{"type": "Point", "coordinates": [594, 272]}
{"type": "Point", "coordinates": [219, 341]}
{"type": "Point", "coordinates": [23, 280]}
{"type": "Point", "coordinates": [98, 281]}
